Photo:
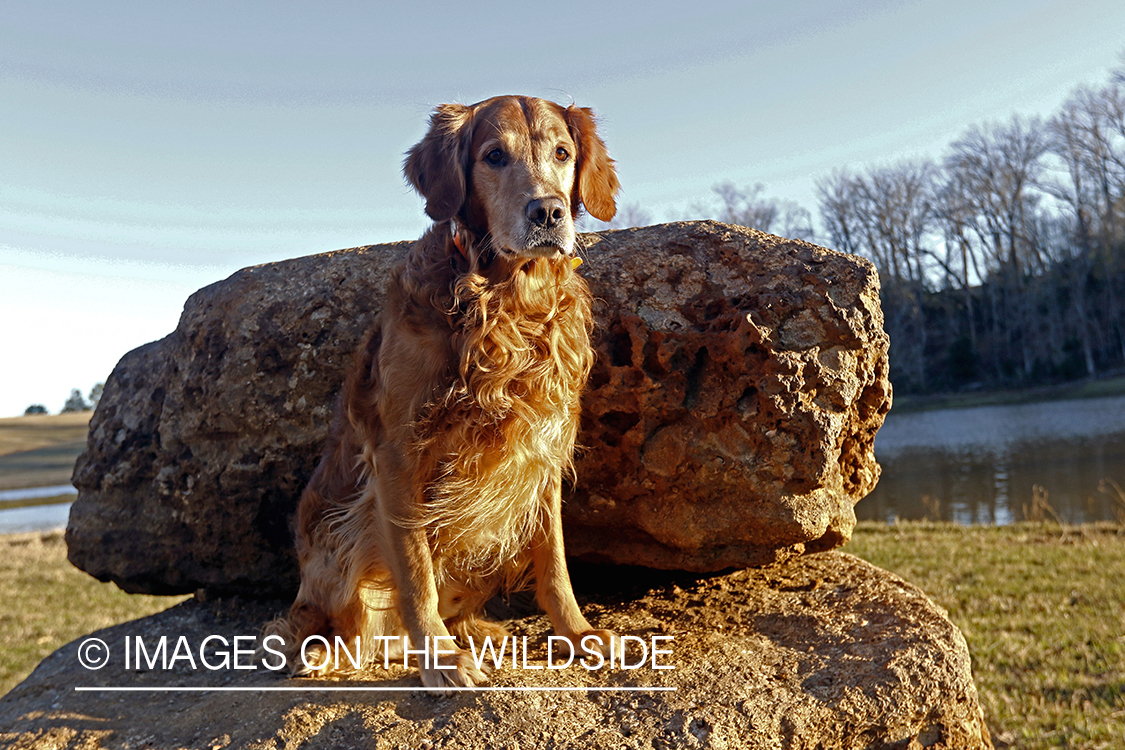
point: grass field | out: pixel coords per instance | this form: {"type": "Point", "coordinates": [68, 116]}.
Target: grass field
{"type": "Point", "coordinates": [1042, 608]}
{"type": "Point", "coordinates": [47, 602]}
{"type": "Point", "coordinates": [40, 451]}
{"type": "Point", "coordinates": [41, 431]}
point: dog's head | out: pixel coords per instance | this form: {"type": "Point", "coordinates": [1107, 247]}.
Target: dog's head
{"type": "Point", "coordinates": [514, 170]}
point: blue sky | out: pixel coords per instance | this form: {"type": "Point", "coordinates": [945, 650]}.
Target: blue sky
{"type": "Point", "coordinates": [148, 149]}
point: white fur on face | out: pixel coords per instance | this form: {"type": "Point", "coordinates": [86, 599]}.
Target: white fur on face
{"type": "Point", "coordinates": [529, 170]}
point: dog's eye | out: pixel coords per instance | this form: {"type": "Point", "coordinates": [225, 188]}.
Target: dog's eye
{"type": "Point", "coordinates": [562, 154]}
{"type": "Point", "coordinates": [495, 157]}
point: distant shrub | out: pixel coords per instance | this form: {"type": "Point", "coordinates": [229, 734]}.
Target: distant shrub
{"type": "Point", "coordinates": [75, 402]}
{"type": "Point", "coordinates": [35, 409]}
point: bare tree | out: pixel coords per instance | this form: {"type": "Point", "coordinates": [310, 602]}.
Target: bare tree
{"type": "Point", "coordinates": [796, 222]}
{"type": "Point", "coordinates": [1117, 75]}
{"type": "Point", "coordinates": [886, 215]}
{"type": "Point", "coordinates": [838, 199]}
{"type": "Point", "coordinates": [628, 216]}
{"type": "Point", "coordinates": [998, 166]}
{"type": "Point", "coordinates": [996, 169]}
{"type": "Point", "coordinates": [1077, 138]}
{"type": "Point", "coordinates": [748, 207]}
{"type": "Point", "coordinates": [896, 209]}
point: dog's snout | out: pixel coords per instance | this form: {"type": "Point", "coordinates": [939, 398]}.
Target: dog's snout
{"type": "Point", "coordinates": [546, 212]}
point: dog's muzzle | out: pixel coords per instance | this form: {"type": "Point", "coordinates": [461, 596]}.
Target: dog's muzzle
{"type": "Point", "coordinates": [550, 232]}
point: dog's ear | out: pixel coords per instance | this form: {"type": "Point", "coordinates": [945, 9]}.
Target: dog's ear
{"type": "Point", "coordinates": [595, 183]}
{"type": "Point", "coordinates": [436, 165]}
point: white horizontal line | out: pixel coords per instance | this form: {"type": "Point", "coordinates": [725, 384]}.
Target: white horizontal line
{"type": "Point", "coordinates": [34, 493]}
{"type": "Point", "coordinates": [283, 689]}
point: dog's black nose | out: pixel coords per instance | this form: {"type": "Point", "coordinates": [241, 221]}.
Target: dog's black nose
{"type": "Point", "coordinates": [546, 212]}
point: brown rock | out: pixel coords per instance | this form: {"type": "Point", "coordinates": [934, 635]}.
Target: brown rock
{"type": "Point", "coordinates": [730, 420]}
{"type": "Point", "coordinates": [825, 652]}
{"type": "Point", "coordinates": [732, 411]}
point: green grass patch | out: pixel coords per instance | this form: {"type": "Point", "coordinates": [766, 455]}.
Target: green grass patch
{"type": "Point", "coordinates": [1043, 610]}
{"type": "Point", "coordinates": [47, 602]}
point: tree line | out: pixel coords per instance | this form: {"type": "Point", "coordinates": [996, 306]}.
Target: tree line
{"type": "Point", "coordinates": [1004, 263]}
{"type": "Point", "coordinates": [1001, 264]}
{"type": "Point", "coordinates": [75, 402]}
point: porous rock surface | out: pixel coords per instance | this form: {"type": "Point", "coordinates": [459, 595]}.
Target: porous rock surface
{"type": "Point", "coordinates": [729, 422]}
{"type": "Point", "coordinates": [825, 652]}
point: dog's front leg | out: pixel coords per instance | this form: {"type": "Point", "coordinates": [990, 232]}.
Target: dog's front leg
{"type": "Point", "coordinates": [410, 559]}
{"type": "Point", "coordinates": [552, 580]}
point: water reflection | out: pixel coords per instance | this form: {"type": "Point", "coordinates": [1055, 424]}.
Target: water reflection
{"type": "Point", "coordinates": [982, 465]}
{"type": "Point", "coordinates": [34, 518]}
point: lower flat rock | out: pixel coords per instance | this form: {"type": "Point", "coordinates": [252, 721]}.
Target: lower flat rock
{"type": "Point", "coordinates": [823, 652]}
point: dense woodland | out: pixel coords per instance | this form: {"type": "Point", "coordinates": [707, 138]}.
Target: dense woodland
{"type": "Point", "coordinates": [1002, 264]}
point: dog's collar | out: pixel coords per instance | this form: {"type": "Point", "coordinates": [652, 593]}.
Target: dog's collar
{"type": "Point", "coordinates": [458, 240]}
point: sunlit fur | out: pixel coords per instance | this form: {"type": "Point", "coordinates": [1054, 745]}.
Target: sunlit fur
{"type": "Point", "coordinates": [441, 482]}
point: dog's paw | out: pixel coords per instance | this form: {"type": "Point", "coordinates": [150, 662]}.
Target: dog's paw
{"type": "Point", "coordinates": [588, 643]}
{"type": "Point", "coordinates": [313, 661]}
{"type": "Point", "coordinates": [475, 630]}
{"type": "Point", "coordinates": [455, 669]}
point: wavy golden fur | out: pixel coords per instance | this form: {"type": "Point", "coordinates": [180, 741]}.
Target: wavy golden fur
{"type": "Point", "coordinates": [441, 482]}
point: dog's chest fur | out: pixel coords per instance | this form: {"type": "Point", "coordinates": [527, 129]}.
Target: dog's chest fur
{"type": "Point", "coordinates": [505, 426]}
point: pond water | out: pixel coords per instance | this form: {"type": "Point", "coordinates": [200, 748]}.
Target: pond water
{"type": "Point", "coordinates": [34, 518]}
{"type": "Point", "coordinates": [1062, 460]}
{"type": "Point", "coordinates": [35, 493]}
{"type": "Point", "coordinates": [981, 465]}
{"type": "Point", "coordinates": [35, 508]}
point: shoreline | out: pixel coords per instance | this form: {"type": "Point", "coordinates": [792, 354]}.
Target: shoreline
{"type": "Point", "coordinates": [1113, 385]}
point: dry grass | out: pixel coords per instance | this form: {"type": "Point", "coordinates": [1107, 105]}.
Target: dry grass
{"type": "Point", "coordinates": [43, 467]}
{"type": "Point", "coordinates": [47, 603]}
{"type": "Point", "coordinates": [42, 431]}
{"type": "Point", "coordinates": [40, 451]}
{"type": "Point", "coordinates": [1042, 607]}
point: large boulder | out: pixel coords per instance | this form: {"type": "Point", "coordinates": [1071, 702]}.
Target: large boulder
{"type": "Point", "coordinates": [825, 652]}
{"type": "Point", "coordinates": [729, 422]}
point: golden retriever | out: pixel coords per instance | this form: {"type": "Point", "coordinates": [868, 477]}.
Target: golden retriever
{"type": "Point", "coordinates": [441, 482]}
